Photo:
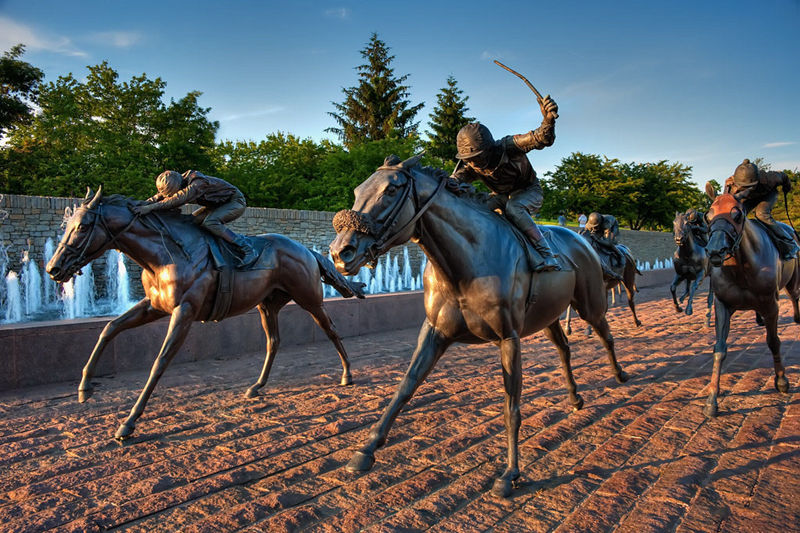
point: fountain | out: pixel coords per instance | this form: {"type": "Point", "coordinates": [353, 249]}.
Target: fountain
{"type": "Point", "coordinates": [13, 298]}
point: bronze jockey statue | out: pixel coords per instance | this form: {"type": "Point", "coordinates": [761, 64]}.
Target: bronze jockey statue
{"type": "Point", "coordinates": [697, 225]}
{"type": "Point", "coordinates": [758, 191]}
{"type": "Point", "coordinates": [603, 231]}
{"type": "Point", "coordinates": [504, 168]}
{"type": "Point", "coordinates": [220, 203]}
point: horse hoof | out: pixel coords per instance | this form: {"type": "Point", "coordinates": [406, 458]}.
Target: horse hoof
{"type": "Point", "coordinates": [361, 462]}
{"type": "Point", "coordinates": [710, 410]}
{"type": "Point", "coordinates": [621, 376]}
{"type": "Point", "coordinates": [638, 323]}
{"type": "Point", "coordinates": [124, 431]}
{"type": "Point", "coordinates": [689, 311]}
{"type": "Point", "coordinates": [577, 405]}
{"type": "Point", "coordinates": [502, 488]}
{"type": "Point", "coordinates": [678, 309]}
{"type": "Point", "coordinates": [346, 380]}
{"type": "Point", "coordinates": [252, 392]}
{"type": "Point", "coordinates": [84, 394]}
{"type": "Point", "coordinates": [782, 384]}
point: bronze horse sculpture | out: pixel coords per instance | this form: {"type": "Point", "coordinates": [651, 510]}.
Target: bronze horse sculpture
{"type": "Point", "coordinates": [627, 272]}
{"type": "Point", "coordinates": [690, 262]}
{"type": "Point", "coordinates": [746, 273]}
{"type": "Point", "coordinates": [478, 285]}
{"type": "Point", "coordinates": [180, 282]}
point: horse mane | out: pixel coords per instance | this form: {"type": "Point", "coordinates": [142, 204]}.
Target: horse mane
{"type": "Point", "coordinates": [120, 200]}
{"type": "Point", "coordinates": [464, 191]}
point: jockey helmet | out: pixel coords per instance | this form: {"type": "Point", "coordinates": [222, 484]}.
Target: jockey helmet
{"type": "Point", "coordinates": [472, 140]}
{"type": "Point", "coordinates": [746, 174]}
{"type": "Point", "coordinates": [169, 182]}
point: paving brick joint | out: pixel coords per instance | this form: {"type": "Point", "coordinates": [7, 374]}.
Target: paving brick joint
{"type": "Point", "coordinates": [638, 457]}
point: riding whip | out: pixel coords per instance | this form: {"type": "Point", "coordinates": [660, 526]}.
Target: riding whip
{"type": "Point", "coordinates": [523, 78]}
{"type": "Point", "coordinates": [786, 206]}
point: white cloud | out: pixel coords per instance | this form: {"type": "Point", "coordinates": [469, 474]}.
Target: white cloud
{"type": "Point", "coordinates": [12, 33]}
{"type": "Point", "coordinates": [117, 39]}
{"type": "Point", "coordinates": [341, 13]}
{"type": "Point", "coordinates": [779, 144]}
{"type": "Point", "coordinates": [252, 114]}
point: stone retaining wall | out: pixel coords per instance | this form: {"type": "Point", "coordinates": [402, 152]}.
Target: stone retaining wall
{"type": "Point", "coordinates": [49, 352]}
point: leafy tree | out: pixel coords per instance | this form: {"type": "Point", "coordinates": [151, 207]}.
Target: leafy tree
{"type": "Point", "coordinates": [19, 83]}
{"type": "Point", "coordinates": [378, 106]}
{"type": "Point", "coordinates": [103, 131]}
{"type": "Point", "coordinates": [641, 195]}
{"type": "Point", "coordinates": [447, 118]}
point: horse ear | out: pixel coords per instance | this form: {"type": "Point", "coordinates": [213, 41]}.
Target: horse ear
{"type": "Point", "coordinates": [711, 192]}
{"type": "Point", "coordinates": [96, 199]}
{"type": "Point", "coordinates": [412, 161]}
{"type": "Point", "coordinates": [89, 193]}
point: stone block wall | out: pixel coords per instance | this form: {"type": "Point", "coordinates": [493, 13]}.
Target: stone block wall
{"type": "Point", "coordinates": [27, 222]}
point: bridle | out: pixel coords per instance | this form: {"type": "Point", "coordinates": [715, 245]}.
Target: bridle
{"type": "Point", "coordinates": [731, 229]}
{"type": "Point", "coordinates": [81, 249]}
{"type": "Point", "coordinates": [381, 232]}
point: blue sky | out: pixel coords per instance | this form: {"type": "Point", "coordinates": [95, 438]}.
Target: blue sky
{"type": "Point", "coordinates": [703, 83]}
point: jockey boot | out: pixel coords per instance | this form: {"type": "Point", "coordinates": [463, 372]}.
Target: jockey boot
{"type": "Point", "coordinates": [540, 245]}
{"type": "Point", "coordinates": [246, 252]}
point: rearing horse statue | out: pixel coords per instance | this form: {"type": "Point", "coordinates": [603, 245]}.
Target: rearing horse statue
{"type": "Point", "coordinates": [180, 281]}
{"type": "Point", "coordinates": [690, 262]}
{"type": "Point", "coordinates": [478, 285]}
{"type": "Point", "coordinates": [746, 273]}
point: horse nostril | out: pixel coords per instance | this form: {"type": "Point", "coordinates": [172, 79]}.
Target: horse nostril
{"type": "Point", "coordinates": [53, 271]}
{"type": "Point", "coordinates": [347, 254]}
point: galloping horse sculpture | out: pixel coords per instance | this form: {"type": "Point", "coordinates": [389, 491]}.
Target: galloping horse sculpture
{"type": "Point", "coordinates": [180, 281]}
{"type": "Point", "coordinates": [627, 272]}
{"type": "Point", "coordinates": [690, 262]}
{"type": "Point", "coordinates": [746, 273]}
{"type": "Point", "coordinates": [478, 285]}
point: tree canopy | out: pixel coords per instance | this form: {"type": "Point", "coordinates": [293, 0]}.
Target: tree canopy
{"type": "Point", "coordinates": [19, 83]}
{"type": "Point", "coordinates": [378, 107]}
{"type": "Point", "coordinates": [105, 131]}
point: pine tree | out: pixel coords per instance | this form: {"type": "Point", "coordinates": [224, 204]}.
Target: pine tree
{"type": "Point", "coordinates": [447, 118]}
{"type": "Point", "coordinates": [378, 107]}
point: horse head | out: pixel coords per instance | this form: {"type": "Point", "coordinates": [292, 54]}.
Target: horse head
{"type": "Point", "coordinates": [385, 209]}
{"type": "Point", "coordinates": [81, 241]}
{"type": "Point", "coordinates": [726, 219]}
{"type": "Point", "coordinates": [680, 229]}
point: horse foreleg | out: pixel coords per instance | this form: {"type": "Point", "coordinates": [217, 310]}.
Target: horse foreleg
{"type": "Point", "coordinates": [604, 332]}
{"type": "Point", "coordinates": [774, 343]}
{"type": "Point", "coordinates": [431, 344]}
{"type": "Point", "coordinates": [692, 290]}
{"type": "Point", "coordinates": [179, 325]}
{"type": "Point", "coordinates": [673, 286]}
{"type": "Point", "coordinates": [141, 313]}
{"type": "Point", "coordinates": [512, 382]}
{"type": "Point", "coordinates": [557, 337]}
{"type": "Point", "coordinates": [324, 321]}
{"type": "Point", "coordinates": [686, 290]}
{"type": "Point", "coordinates": [269, 322]}
{"type": "Point", "coordinates": [722, 318]}
{"type": "Point", "coordinates": [710, 300]}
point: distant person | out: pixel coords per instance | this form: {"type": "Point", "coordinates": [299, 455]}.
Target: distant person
{"type": "Point", "coordinates": [562, 220]}
{"type": "Point", "coordinates": [581, 222]}
{"type": "Point", "coordinates": [220, 203]}
{"type": "Point", "coordinates": [758, 191]}
{"type": "Point", "coordinates": [504, 168]}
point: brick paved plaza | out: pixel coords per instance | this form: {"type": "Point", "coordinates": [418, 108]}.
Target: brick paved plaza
{"type": "Point", "coordinates": [639, 457]}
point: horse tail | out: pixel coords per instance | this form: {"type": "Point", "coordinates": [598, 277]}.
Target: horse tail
{"type": "Point", "coordinates": [331, 276]}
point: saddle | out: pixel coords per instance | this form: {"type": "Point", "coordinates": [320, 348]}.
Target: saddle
{"type": "Point", "coordinates": [226, 263]}
{"type": "Point", "coordinates": [781, 242]}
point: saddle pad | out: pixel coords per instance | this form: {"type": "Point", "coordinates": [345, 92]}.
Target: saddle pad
{"type": "Point", "coordinates": [223, 254]}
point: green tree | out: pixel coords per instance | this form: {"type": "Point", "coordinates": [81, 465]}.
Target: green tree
{"type": "Point", "coordinates": [19, 83]}
{"type": "Point", "coordinates": [378, 107]}
{"type": "Point", "coordinates": [102, 131]}
{"type": "Point", "coordinates": [581, 183]}
{"type": "Point", "coordinates": [447, 118]}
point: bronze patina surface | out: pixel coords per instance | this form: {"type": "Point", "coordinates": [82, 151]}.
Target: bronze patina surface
{"type": "Point", "coordinates": [180, 281]}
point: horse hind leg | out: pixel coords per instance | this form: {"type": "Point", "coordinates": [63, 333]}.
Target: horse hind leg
{"type": "Point", "coordinates": [268, 310]}
{"type": "Point", "coordinates": [324, 321]}
{"type": "Point", "coordinates": [630, 292]}
{"type": "Point", "coordinates": [141, 313]}
{"type": "Point", "coordinates": [774, 343]}
{"type": "Point", "coordinates": [557, 337]}
{"type": "Point", "coordinates": [672, 289]}
{"type": "Point", "coordinates": [600, 326]}
{"type": "Point", "coordinates": [689, 308]}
